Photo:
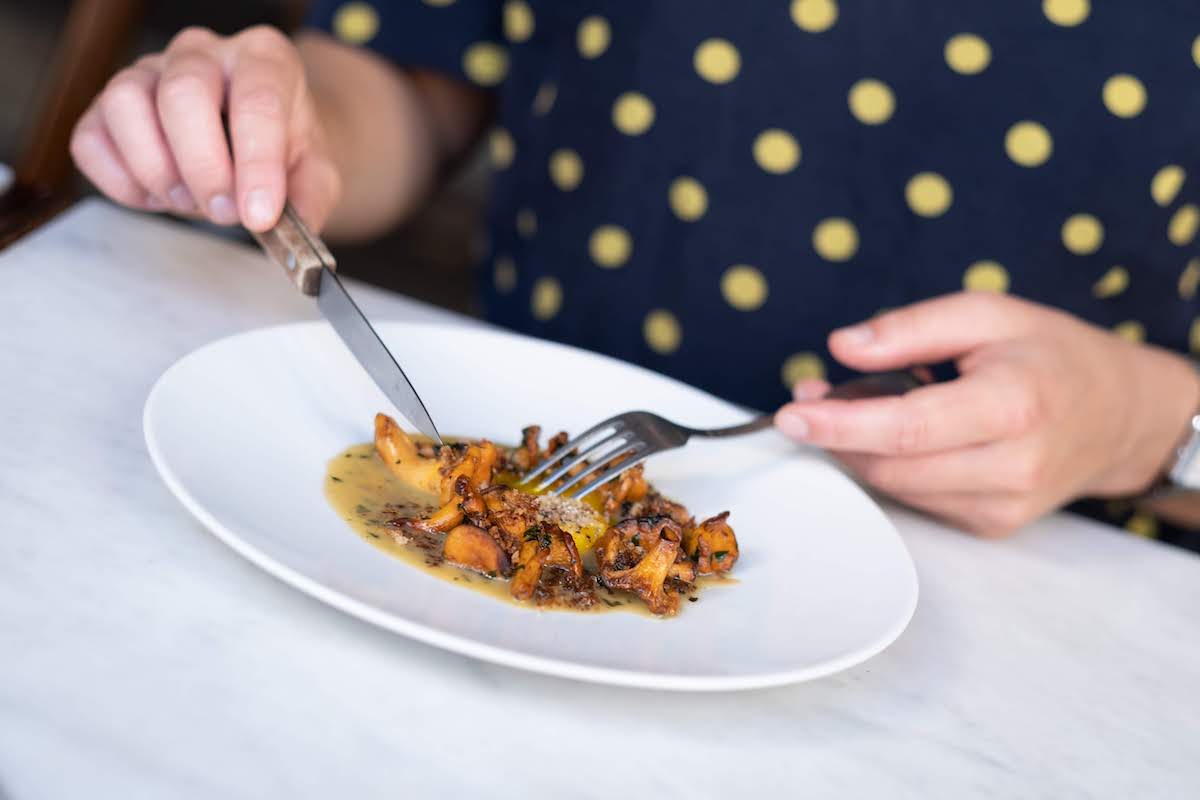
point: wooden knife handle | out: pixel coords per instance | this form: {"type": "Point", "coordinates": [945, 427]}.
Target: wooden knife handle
{"type": "Point", "coordinates": [301, 253]}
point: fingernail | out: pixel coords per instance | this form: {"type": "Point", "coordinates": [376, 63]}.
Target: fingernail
{"type": "Point", "coordinates": [155, 203]}
{"type": "Point", "coordinates": [221, 210]}
{"type": "Point", "coordinates": [258, 208]}
{"type": "Point", "coordinates": [792, 424]}
{"type": "Point", "coordinates": [856, 335]}
{"type": "Point", "coordinates": [181, 198]}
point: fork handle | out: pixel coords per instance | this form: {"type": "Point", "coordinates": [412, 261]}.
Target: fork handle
{"type": "Point", "coordinates": [880, 384]}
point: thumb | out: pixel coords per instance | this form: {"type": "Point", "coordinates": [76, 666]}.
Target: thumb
{"type": "Point", "coordinates": [931, 331]}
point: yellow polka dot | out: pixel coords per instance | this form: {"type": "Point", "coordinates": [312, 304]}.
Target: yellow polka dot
{"type": "Point", "coordinates": [504, 274]}
{"type": "Point", "coordinates": [776, 151]}
{"type": "Point", "coordinates": [1194, 337]}
{"type": "Point", "coordinates": [438, 3]}
{"type": "Point", "coordinates": [744, 287]}
{"type": "Point", "coordinates": [802, 367]}
{"type": "Point", "coordinates": [546, 298]}
{"type": "Point", "coordinates": [1028, 143]}
{"type": "Point", "coordinates": [1112, 283]}
{"type": "Point", "coordinates": [610, 246]}
{"type": "Point", "coordinates": [1189, 280]}
{"type": "Point", "coordinates": [527, 223]}
{"type": "Point", "coordinates": [1143, 525]}
{"type": "Point", "coordinates": [518, 21]}
{"type": "Point", "coordinates": [1124, 95]}
{"type": "Point", "coordinates": [928, 194]}
{"type": "Point", "coordinates": [633, 113]}
{"type": "Point", "coordinates": [501, 148]}
{"type": "Point", "coordinates": [871, 101]}
{"type": "Point", "coordinates": [356, 23]}
{"type": "Point", "coordinates": [1082, 234]}
{"type": "Point", "coordinates": [543, 101]}
{"type": "Point", "coordinates": [688, 199]}
{"type": "Point", "coordinates": [1166, 183]}
{"type": "Point", "coordinates": [814, 16]}
{"type": "Point", "coordinates": [1196, 51]}
{"type": "Point", "coordinates": [986, 276]}
{"type": "Point", "coordinates": [1067, 13]}
{"type": "Point", "coordinates": [593, 37]}
{"type": "Point", "coordinates": [717, 61]}
{"type": "Point", "coordinates": [485, 63]}
{"type": "Point", "coordinates": [662, 332]}
{"type": "Point", "coordinates": [1181, 230]}
{"type": "Point", "coordinates": [835, 239]}
{"type": "Point", "coordinates": [968, 54]}
{"type": "Point", "coordinates": [1131, 331]}
{"type": "Point", "coordinates": [566, 169]}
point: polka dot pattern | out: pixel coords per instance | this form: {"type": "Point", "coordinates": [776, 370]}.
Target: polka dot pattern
{"type": "Point", "coordinates": [504, 274]}
{"type": "Point", "coordinates": [688, 198]}
{"type": "Point", "coordinates": [566, 169]}
{"type": "Point", "coordinates": [633, 113]}
{"type": "Point", "coordinates": [485, 63]}
{"type": "Point", "coordinates": [662, 332]}
{"type": "Point", "coordinates": [744, 287]}
{"type": "Point", "coordinates": [1194, 338]}
{"type": "Point", "coordinates": [1067, 13]}
{"type": "Point", "coordinates": [835, 239]}
{"type": "Point", "coordinates": [1112, 283]}
{"type": "Point", "coordinates": [356, 23]}
{"type": "Point", "coordinates": [527, 223]}
{"type": "Point", "coordinates": [610, 246]}
{"type": "Point", "coordinates": [801, 367]}
{"type": "Point", "coordinates": [776, 151]}
{"type": "Point", "coordinates": [1124, 96]}
{"type": "Point", "coordinates": [1144, 525]}
{"type": "Point", "coordinates": [593, 37]}
{"type": "Point", "coordinates": [928, 194]}
{"type": "Point", "coordinates": [518, 21]}
{"type": "Point", "coordinates": [968, 54]}
{"type": "Point", "coordinates": [1131, 331]}
{"type": "Point", "coordinates": [1082, 234]}
{"type": "Point", "coordinates": [1189, 280]}
{"type": "Point", "coordinates": [717, 61]}
{"type": "Point", "coordinates": [1028, 143]}
{"type": "Point", "coordinates": [501, 148]}
{"type": "Point", "coordinates": [1167, 182]}
{"type": "Point", "coordinates": [814, 16]}
{"type": "Point", "coordinates": [986, 276]}
{"type": "Point", "coordinates": [546, 298]}
{"type": "Point", "coordinates": [871, 101]}
{"type": "Point", "coordinates": [543, 101]}
{"type": "Point", "coordinates": [1181, 230]}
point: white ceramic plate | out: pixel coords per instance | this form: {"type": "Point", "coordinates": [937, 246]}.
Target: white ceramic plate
{"type": "Point", "coordinates": [241, 431]}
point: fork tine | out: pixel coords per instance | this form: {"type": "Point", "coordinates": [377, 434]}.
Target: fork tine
{"type": "Point", "coordinates": [595, 450]}
{"type": "Point", "coordinates": [564, 451]}
{"type": "Point", "coordinates": [640, 453]}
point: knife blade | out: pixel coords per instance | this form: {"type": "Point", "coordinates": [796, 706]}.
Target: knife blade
{"type": "Point", "coordinates": [311, 267]}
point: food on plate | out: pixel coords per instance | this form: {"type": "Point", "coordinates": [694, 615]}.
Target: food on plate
{"type": "Point", "coordinates": [465, 504]}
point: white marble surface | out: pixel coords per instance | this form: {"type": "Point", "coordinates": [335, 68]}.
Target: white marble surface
{"type": "Point", "coordinates": [141, 658]}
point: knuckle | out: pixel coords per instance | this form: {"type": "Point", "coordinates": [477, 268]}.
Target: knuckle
{"type": "Point", "coordinates": [912, 433]}
{"type": "Point", "coordinates": [194, 37]}
{"type": "Point", "coordinates": [179, 90]}
{"type": "Point", "coordinates": [265, 39]}
{"type": "Point", "coordinates": [261, 101]}
{"type": "Point", "coordinates": [123, 92]}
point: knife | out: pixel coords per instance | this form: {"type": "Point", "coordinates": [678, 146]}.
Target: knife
{"type": "Point", "coordinates": [310, 265]}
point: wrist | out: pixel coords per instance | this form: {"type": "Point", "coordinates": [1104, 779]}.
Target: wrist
{"type": "Point", "coordinates": [1171, 384]}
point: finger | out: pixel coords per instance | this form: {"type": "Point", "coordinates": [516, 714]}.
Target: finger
{"type": "Point", "coordinates": [992, 403]}
{"type": "Point", "coordinates": [314, 187]}
{"type": "Point", "coordinates": [999, 467]}
{"type": "Point", "coordinates": [931, 331]}
{"type": "Point", "coordinates": [809, 389]}
{"type": "Point", "coordinates": [264, 82]}
{"type": "Point", "coordinates": [987, 515]}
{"type": "Point", "coordinates": [97, 158]}
{"type": "Point", "coordinates": [189, 99]}
{"type": "Point", "coordinates": [129, 113]}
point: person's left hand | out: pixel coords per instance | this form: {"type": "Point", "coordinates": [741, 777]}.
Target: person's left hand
{"type": "Point", "coordinates": [1047, 408]}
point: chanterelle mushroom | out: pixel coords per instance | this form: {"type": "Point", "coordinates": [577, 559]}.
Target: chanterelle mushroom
{"type": "Point", "coordinates": [712, 545]}
{"type": "Point", "coordinates": [640, 556]}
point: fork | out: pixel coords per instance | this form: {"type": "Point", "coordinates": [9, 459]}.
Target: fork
{"type": "Point", "coordinates": [636, 435]}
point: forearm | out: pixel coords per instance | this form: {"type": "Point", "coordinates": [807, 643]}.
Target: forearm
{"type": "Point", "coordinates": [390, 132]}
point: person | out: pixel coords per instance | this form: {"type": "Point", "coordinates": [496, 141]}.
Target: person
{"type": "Point", "coordinates": [709, 191]}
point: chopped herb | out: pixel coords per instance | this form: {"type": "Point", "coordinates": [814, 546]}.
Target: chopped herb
{"type": "Point", "coordinates": [347, 455]}
{"type": "Point", "coordinates": [693, 599]}
{"type": "Point", "coordinates": [335, 478]}
{"type": "Point", "coordinates": [720, 554]}
{"type": "Point", "coordinates": [361, 509]}
{"type": "Point", "coordinates": [611, 603]}
{"type": "Point", "coordinates": [491, 573]}
{"type": "Point", "coordinates": [637, 540]}
{"type": "Point", "coordinates": [397, 461]}
{"type": "Point", "coordinates": [372, 534]}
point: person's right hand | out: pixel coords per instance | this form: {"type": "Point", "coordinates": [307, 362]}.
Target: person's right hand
{"type": "Point", "coordinates": [154, 138]}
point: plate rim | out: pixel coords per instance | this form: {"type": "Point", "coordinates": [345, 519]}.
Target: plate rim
{"type": "Point", "coordinates": [464, 646]}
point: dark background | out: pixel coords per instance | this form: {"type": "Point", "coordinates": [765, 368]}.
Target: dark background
{"type": "Point", "coordinates": [431, 257]}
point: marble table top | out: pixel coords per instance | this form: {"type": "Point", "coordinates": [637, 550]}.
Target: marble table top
{"type": "Point", "coordinates": [139, 657]}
